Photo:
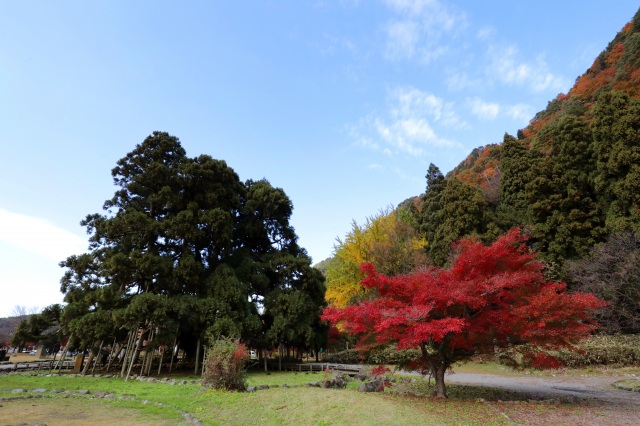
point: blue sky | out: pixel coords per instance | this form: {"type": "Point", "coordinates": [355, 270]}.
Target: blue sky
{"type": "Point", "coordinates": [343, 103]}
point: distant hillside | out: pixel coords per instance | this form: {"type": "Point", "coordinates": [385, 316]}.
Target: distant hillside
{"type": "Point", "coordinates": [8, 326]}
{"type": "Point", "coordinates": [617, 68]}
{"type": "Point", "coordinates": [571, 177]}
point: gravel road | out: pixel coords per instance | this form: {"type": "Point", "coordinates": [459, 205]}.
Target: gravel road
{"type": "Point", "coordinates": [591, 388]}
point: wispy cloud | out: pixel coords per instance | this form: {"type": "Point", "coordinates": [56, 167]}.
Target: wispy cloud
{"type": "Point", "coordinates": [481, 109]}
{"type": "Point", "coordinates": [418, 30]}
{"type": "Point", "coordinates": [39, 237]}
{"type": "Point", "coordinates": [506, 67]}
{"type": "Point", "coordinates": [403, 38]}
{"type": "Point", "coordinates": [492, 110]}
{"type": "Point", "coordinates": [520, 112]}
{"type": "Point", "coordinates": [407, 127]}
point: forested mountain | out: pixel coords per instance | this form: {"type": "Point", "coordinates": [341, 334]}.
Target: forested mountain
{"type": "Point", "coordinates": [570, 179]}
{"type": "Point", "coordinates": [572, 176]}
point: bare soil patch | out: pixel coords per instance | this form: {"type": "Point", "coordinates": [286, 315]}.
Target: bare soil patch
{"type": "Point", "coordinates": [72, 412]}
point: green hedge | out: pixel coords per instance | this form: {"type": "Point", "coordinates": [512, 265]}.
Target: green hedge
{"type": "Point", "coordinates": [381, 356]}
{"type": "Point", "coordinates": [614, 351]}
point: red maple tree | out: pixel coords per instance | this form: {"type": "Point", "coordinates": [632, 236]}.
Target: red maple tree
{"type": "Point", "coordinates": [491, 296]}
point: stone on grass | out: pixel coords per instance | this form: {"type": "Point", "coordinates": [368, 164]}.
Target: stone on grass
{"type": "Point", "coordinates": [374, 386]}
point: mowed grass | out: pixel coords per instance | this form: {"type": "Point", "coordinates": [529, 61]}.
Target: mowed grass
{"type": "Point", "coordinates": [294, 405]}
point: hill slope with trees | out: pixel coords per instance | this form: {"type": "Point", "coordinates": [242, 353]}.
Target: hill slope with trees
{"type": "Point", "coordinates": [570, 179]}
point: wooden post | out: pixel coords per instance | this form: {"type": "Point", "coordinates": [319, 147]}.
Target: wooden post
{"type": "Point", "coordinates": [112, 354]}
{"type": "Point", "coordinates": [147, 354]}
{"type": "Point", "coordinates": [64, 353]}
{"type": "Point", "coordinates": [126, 353]}
{"type": "Point", "coordinates": [197, 357]}
{"type": "Point", "coordinates": [161, 356]}
{"type": "Point", "coordinates": [97, 357]}
{"type": "Point", "coordinates": [173, 353]}
{"type": "Point", "coordinates": [135, 352]}
{"type": "Point", "coordinates": [204, 359]}
{"type": "Point", "coordinates": [151, 352]}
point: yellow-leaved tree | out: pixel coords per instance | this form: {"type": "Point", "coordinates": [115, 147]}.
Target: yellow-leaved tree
{"type": "Point", "coordinates": [387, 240]}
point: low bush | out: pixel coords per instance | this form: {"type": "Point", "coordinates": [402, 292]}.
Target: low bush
{"type": "Point", "coordinates": [612, 351]}
{"type": "Point", "coordinates": [379, 356]}
{"type": "Point", "coordinates": [224, 366]}
{"type": "Point", "coordinates": [350, 356]}
{"type": "Point", "coordinates": [597, 351]}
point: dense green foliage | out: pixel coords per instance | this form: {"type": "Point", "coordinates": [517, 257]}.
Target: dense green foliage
{"type": "Point", "coordinates": [571, 179]}
{"type": "Point", "coordinates": [43, 328]}
{"type": "Point", "coordinates": [187, 252]}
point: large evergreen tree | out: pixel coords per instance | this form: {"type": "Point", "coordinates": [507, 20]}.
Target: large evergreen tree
{"type": "Point", "coordinates": [187, 251]}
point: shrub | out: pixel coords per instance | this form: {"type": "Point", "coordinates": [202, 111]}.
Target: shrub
{"type": "Point", "coordinates": [596, 351]}
{"type": "Point", "coordinates": [224, 367]}
{"type": "Point", "coordinates": [350, 356]}
{"type": "Point", "coordinates": [379, 356]}
{"type": "Point", "coordinates": [613, 351]}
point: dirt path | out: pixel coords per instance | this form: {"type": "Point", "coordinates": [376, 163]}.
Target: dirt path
{"type": "Point", "coordinates": [596, 388]}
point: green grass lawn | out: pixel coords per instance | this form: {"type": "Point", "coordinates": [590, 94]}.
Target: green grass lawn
{"type": "Point", "coordinates": [297, 403]}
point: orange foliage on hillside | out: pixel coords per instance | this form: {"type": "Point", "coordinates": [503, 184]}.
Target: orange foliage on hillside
{"type": "Point", "coordinates": [596, 78]}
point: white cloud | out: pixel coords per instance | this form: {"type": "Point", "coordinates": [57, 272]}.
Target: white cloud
{"type": "Point", "coordinates": [412, 102]}
{"type": "Point", "coordinates": [520, 112]}
{"type": "Point", "coordinates": [505, 66]}
{"type": "Point", "coordinates": [408, 126]}
{"type": "Point", "coordinates": [39, 237]}
{"type": "Point", "coordinates": [492, 110]}
{"type": "Point", "coordinates": [403, 38]}
{"type": "Point", "coordinates": [459, 81]}
{"type": "Point", "coordinates": [419, 28]}
{"type": "Point", "coordinates": [485, 110]}
{"type": "Point", "coordinates": [485, 33]}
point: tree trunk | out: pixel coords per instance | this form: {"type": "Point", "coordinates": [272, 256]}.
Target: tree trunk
{"type": "Point", "coordinates": [441, 389]}
{"type": "Point", "coordinates": [437, 367]}
{"type": "Point", "coordinates": [197, 357]}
